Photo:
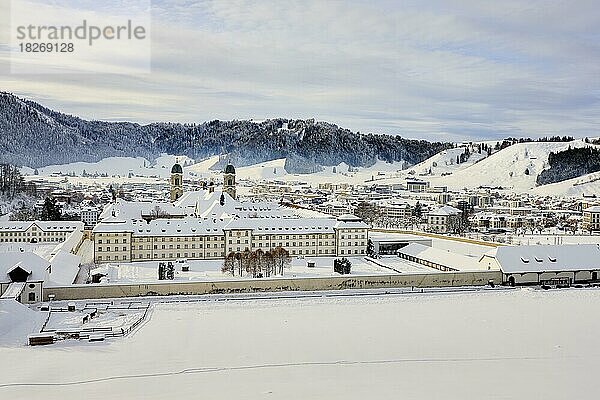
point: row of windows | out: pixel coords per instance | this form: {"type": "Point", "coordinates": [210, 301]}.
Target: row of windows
{"type": "Point", "coordinates": [147, 256]}
{"type": "Point", "coordinates": [180, 239]}
{"type": "Point", "coordinates": [4, 234]}
{"type": "Point", "coordinates": [287, 244]}
{"type": "Point", "coordinates": [99, 241]}
{"type": "Point", "coordinates": [271, 237]}
{"type": "Point", "coordinates": [349, 244]}
{"type": "Point", "coordinates": [350, 237]}
{"type": "Point", "coordinates": [108, 248]}
{"type": "Point", "coordinates": [222, 245]}
{"type": "Point", "coordinates": [53, 239]}
{"type": "Point", "coordinates": [185, 246]}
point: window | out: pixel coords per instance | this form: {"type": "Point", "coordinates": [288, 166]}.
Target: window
{"type": "Point", "coordinates": [31, 296]}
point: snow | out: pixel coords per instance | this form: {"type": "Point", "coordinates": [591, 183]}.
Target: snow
{"type": "Point", "coordinates": [443, 257]}
{"type": "Point", "coordinates": [16, 323]}
{"type": "Point", "coordinates": [495, 170]}
{"type": "Point", "coordinates": [584, 185]}
{"type": "Point", "coordinates": [210, 270]}
{"type": "Point", "coordinates": [267, 170]}
{"type": "Point", "coordinates": [445, 161]}
{"type": "Point", "coordinates": [505, 168]}
{"type": "Point", "coordinates": [509, 344]}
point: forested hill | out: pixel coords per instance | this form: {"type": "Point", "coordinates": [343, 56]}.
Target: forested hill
{"type": "Point", "coordinates": [35, 136]}
{"type": "Point", "coordinates": [571, 163]}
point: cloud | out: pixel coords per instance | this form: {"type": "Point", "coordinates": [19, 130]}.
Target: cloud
{"type": "Point", "coordinates": [419, 69]}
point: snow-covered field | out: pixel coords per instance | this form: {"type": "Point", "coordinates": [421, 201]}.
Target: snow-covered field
{"type": "Point", "coordinates": [497, 344]}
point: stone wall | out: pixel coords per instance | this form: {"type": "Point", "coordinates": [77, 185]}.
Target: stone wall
{"type": "Point", "coordinates": [446, 279]}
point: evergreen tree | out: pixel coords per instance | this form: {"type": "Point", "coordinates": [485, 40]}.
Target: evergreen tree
{"type": "Point", "coordinates": [50, 210]}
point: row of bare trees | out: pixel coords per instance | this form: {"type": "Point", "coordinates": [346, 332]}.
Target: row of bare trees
{"type": "Point", "coordinates": [257, 263]}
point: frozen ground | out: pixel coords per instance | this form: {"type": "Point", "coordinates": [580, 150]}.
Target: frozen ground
{"type": "Point", "coordinates": [512, 344]}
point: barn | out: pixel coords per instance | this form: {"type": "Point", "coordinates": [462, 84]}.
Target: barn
{"type": "Point", "coordinates": [562, 265]}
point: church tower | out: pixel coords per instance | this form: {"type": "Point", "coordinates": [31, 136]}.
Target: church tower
{"type": "Point", "coordinates": [176, 182]}
{"type": "Point", "coordinates": [229, 181]}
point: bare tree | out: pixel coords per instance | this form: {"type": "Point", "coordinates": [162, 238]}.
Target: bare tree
{"type": "Point", "coordinates": [282, 259]}
{"type": "Point", "coordinates": [229, 264]}
{"type": "Point", "coordinates": [368, 212]}
{"type": "Point", "coordinates": [269, 263]}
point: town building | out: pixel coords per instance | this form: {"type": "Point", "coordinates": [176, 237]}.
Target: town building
{"type": "Point", "coordinates": [441, 220]}
{"type": "Point", "coordinates": [591, 219]}
{"type": "Point", "coordinates": [416, 185]}
{"type": "Point", "coordinates": [89, 216]}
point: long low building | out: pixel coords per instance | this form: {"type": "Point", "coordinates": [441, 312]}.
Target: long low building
{"type": "Point", "coordinates": [213, 238]}
{"type": "Point", "coordinates": [37, 231]}
{"type": "Point", "coordinates": [546, 264]}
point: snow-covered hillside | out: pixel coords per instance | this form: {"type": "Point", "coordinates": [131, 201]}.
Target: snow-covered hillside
{"type": "Point", "coordinates": [115, 166]}
{"type": "Point", "coordinates": [515, 167]}
{"type": "Point", "coordinates": [584, 185]}
{"type": "Point", "coordinates": [446, 161]}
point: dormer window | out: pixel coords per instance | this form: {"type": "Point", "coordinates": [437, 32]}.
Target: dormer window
{"type": "Point", "coordinates": [525, 260]}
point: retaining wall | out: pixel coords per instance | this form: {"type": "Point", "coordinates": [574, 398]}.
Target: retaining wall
{"type": "Point", "coordinates": [446, 279]}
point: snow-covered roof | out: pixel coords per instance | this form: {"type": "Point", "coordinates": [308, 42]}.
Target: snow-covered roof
{"type": "Point", "coordinates": [22, 226]}
{"type": "Point", "coordinates": [547, 258]}
{"type": "Point", "coordinates": [442, 257]}
{"type": "Point", "coordinates": [60, 270]}
{"type": "Point", "coordinates": [135, 209]}
{"type": "Point", "coordinates": [348, 218]}
{"type": "Point", "coordinates": [166, 227]}
{"type": "Point", "coordinates": [274, 225]}
{"type": "Point", "coordinates": [592, 209]}
{"type": "Point", "coordinates": [445, 210]}
{"type": "Point", "coordinates": [64, 269]}
{"type": "Point", "coordinates": [28, 261]}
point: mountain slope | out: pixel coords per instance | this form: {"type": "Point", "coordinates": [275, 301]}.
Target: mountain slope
{"type": "Point", "coordinates": [515, 167]}
{"type": "Point", "coordinates": [35, 136]}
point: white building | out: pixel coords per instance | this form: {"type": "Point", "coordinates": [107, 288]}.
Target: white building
{"type": "Point", "coordinates": [38, 231]}
{"type": "Point", "coordinates": [89, 216]}
{"type": "Point", "coordinates": [214, 238]}
{"type": "Point", "coordinates": [24, 274]}
{"type": "Point", "coordinates": [440, 220]}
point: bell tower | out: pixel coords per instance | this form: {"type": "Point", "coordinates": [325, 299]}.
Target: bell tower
{"type": "Point", "coordinates": [229, 181]}
{"type": "Point", "coordinates": [176, 182]}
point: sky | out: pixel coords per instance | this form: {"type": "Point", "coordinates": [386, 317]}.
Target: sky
{"type": "Point", "coordinates": [439, 70]}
